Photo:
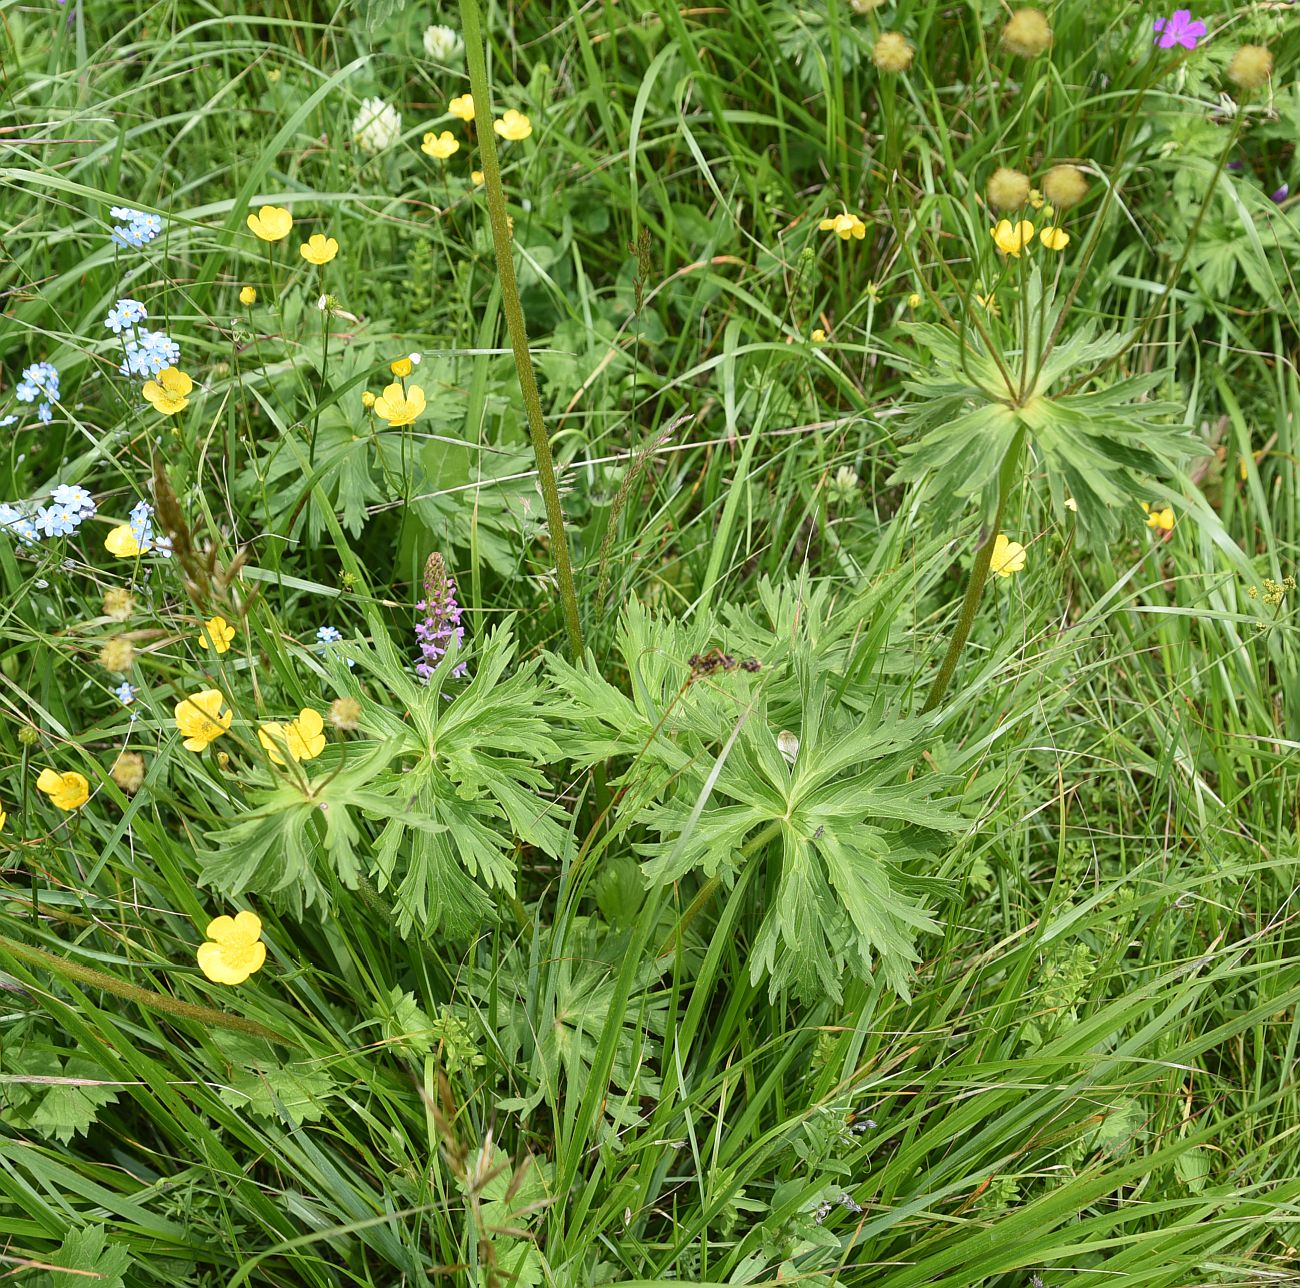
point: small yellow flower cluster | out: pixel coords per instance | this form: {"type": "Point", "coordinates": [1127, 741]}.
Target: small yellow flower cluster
{"type": "Point", "coordinates": [1011, 238]}
{"type": "Point", "coordinates": [512, 126]}
{"type": "Point", "coordinates": [1274, 591]}
{"type": "Point", "coordinates": [274, 224]}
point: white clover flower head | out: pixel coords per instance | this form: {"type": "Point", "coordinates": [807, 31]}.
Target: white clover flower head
{"type": "Point", "coordinates": [377, 127]}
{"type": "Point", "coordinates": [415, 359]}
{"type": "Point", "coordinates": [442, 44]}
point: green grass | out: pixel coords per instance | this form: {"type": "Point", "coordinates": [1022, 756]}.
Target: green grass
{"type": "Point", "coordinates": [531, 1012]}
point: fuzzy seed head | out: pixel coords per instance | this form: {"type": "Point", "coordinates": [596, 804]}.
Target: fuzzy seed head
{"type": "Point", "coordinates": [345, 714]}
{"type": "Point", "coordinates": [128, 771]}
{"type": "Point", "coordinates": [1008, 189]}
{"type": "Point", "coordinates": [117, 655]}
{"type": "Point", "coordinates": [1064, 186]}
{"type": "Point", "coordinates": [1027, 34]}
{"type": "Point", "coordinates": [118, 603]}
{"type": "Point", "coordinates": [892, 53]}
{"type": "Point", "coordinates": [1251, 66]}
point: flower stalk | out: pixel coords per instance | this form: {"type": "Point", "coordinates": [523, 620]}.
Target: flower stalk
{"type": "Point", "coordinates": [514, 313]}
{"type": "Point", "coordinates": [1008, 474]}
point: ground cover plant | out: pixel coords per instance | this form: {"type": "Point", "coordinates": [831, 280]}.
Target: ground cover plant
{"type": "Point", "coordinates": [648, 644]}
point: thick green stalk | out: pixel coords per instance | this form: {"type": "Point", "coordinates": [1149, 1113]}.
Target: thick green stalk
{"type": "Point", "coordinates": [478, 84]}
{"type": "Point", "coordinates": [1008, 473]}
{"type": "Point", "coordinates": [178, 1010]}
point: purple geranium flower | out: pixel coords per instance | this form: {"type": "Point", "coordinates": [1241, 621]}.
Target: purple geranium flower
{"type": "Point", "coordinates": [1181, 29]}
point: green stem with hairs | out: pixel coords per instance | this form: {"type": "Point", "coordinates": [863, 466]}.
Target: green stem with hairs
{"type": "Point", "coordinates": [496, 201]}
{"type": "Point", "coordinates": [1008, 473]}
{"type": "Point", "coordinates": [145, 997]}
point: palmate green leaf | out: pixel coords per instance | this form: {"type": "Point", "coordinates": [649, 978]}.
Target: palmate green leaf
{"type": "Point", "coordinates": [469, 788]}
{"type": "Point", "coordinates": [1105, 444]}
{"type": "Point", "coordinates": [840, 822]}
{"type": "Point", "coordinates": [274, 848]}
{"type": "Point", "coordinates": [50, 1097]}
{"type": "Point", "coordinates": [86, 1256]}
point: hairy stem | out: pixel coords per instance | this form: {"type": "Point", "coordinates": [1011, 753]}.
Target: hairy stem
{"type": "Point", "coordinates": [150, 1000]}
{"type": "Point", "coordinates": [478, 83]}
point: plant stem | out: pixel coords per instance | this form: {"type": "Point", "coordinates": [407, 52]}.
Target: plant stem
{"type": "Point", "coordinates": [1007, 475]}
{"type": "Point", "coordinates": [202, 1015]}
{"type": "Point", "coordinates": [478, 83]}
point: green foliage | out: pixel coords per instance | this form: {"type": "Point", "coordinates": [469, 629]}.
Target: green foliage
{"type": "Point", "coordinates": [1103, 444]}
{"type": "Point", "coordinates": [832, 820]}
{"type": "Point", "coordinates": [654, 966]}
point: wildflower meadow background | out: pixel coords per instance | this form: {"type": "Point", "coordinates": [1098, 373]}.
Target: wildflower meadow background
{"type": "Point", "coordinates": [649, 644]}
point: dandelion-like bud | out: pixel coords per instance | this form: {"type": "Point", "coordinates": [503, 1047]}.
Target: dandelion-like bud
{"type": "Point", "coordinates": [1064, 186]}
{"type": "Point", "coordinates": [892, 53]}
{"type": "Point", "coordinates": [441, 618]}
{"type": "Point", "coordinates": [128, 771]}
{"type": "Point", "coordinates": [1007, 189]}
{"type": "Point", "coordinates": [117, 655]}
{"type": "Point", "coordinates": [345, 714]}
{"type": "Point", "coordinates": [118, 603]}
{"type": "Point", "coordinates": [1027, 33]}
{"type": "Point", "coordinates": [1251, 66]}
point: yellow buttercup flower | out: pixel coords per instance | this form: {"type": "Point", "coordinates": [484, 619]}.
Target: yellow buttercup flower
{"type": "Point", "coordinates": [440, 146]}
{"type": "Point", "coordinates": [121, 541]}
{"type": "Point", "coordinates": [170, 392]}
{"type": "Point", "coordinates": [68, 791]}
{"type": "Point", "coordinates": [1008, 556]}
{"type": "Point", "coordinates": [217, 634]}
{"type": "Point", "coordinates": [201, 719]}
{"type": "Point", "coordinates": [319, 249]}
{"type": "Point", "coordinates": [300, 739]}
{"type": "Point", "coordinates": [819, 336]}
{"type": "Point", "coordinates": [271, 223]}
{"type": "Point", "coordinates": [248, 297]}
{"type": "Point", "coordinates": [1161, 518]}
{"type": "Point", "coordinates": [513, 126]}
{"type": "Point", "coordinates": [844, 226]}
{"type": "Point", "coordinates": [989, 304]}
{"type": "Point", "coordinates": [1054, 238]}
{"type": "Point", "coordinates": [476, 178]}
{"type": "Point", "coordinates": [1011, 238]}
{"type": "Point", "coordinates": [3, 818]}
{"type": "Point", "coordinates": [401, 367]}
{"type": "Point", "coordinates": [462, 107]}
{"type": "Point", "coordinates": [233, 949]}
{"type": "Point", "coordinates": [400, 407]}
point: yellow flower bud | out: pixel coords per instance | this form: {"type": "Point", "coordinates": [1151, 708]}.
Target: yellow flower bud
{"type": "Point", "coordinates": [1027, 34]}
{"type": "Point", "coordinates": [1007, 189]}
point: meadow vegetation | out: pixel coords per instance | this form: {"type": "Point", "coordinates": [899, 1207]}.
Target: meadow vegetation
{"type": "Point", "coordinates": [647, 643]}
